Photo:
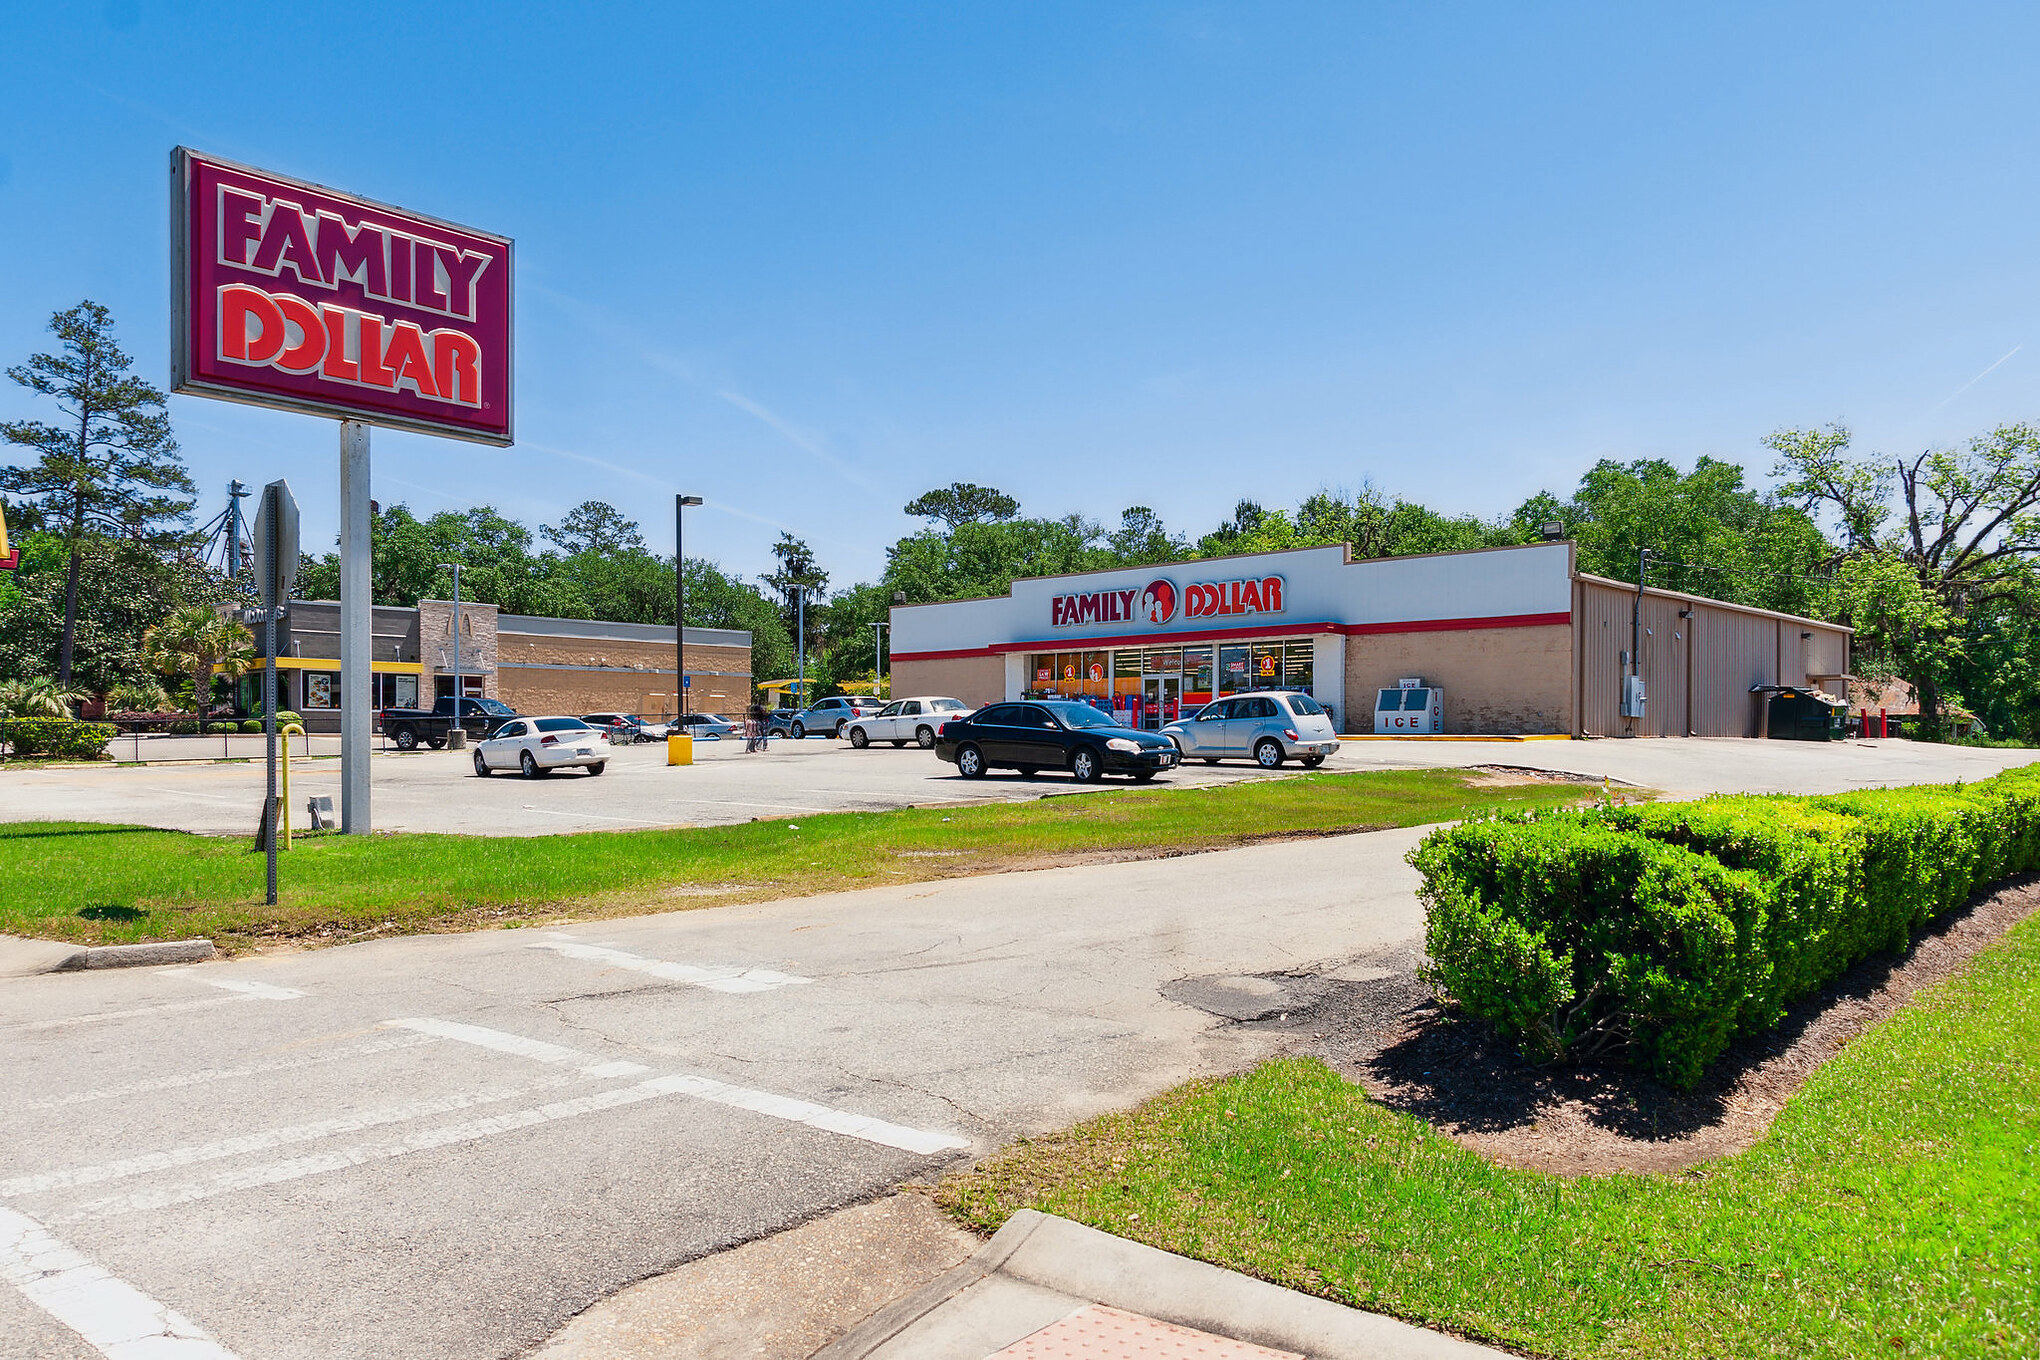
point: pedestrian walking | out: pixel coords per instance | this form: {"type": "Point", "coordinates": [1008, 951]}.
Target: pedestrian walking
{"type": "Point", "coordinates": [754, 729]}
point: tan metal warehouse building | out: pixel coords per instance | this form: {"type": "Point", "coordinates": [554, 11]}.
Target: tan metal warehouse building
{"type": "Point", "coordinates": [1518, 640]}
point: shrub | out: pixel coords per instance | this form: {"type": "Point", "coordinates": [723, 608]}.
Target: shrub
{"type": "Point", "coordinates": [1669, 929]}
{"type": "Point", "coordinates": [183, 728]}
{"type": "Point", "coordinates": [218, 729]}
{"type": "Point", "coordinates": [251, 725]}
{"type": "Point", "coordinates": [61, 737]}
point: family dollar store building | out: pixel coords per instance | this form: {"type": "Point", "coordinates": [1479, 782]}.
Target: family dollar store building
{"type": "Point", "coordinates": [1521, 642]}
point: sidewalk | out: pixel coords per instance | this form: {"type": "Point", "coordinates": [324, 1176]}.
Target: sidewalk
{"type": "Point", "coordinates": [1046, 1288]}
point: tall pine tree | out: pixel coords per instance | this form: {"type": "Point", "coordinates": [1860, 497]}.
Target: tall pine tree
{"type": "Point", "coordinates": [110, 469]}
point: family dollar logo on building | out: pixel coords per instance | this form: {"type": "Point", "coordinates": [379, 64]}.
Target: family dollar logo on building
{"type": "Point", "coordinates": [1157, 602]}
{"type": "Point", "coordinates": [288, 294]}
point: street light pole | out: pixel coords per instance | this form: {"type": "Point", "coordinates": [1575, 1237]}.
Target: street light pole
{"type": "Point", "coordinates": [800, 640]}
{"type": "Point", "coordinates": [878, 658]}
{"type": "Point", "coordinates": [680, 605]}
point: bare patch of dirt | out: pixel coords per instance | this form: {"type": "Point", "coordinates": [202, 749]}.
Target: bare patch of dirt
{"type": "Point", "coordinates": [1596, 1118]}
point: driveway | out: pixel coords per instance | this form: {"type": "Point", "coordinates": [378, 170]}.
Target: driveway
{"type": "Point", "coordinates": [437, 790]}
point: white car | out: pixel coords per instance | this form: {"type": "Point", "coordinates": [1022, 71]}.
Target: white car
{"type": "Point", "coordinates": [538, 746]}
{"type": "Point", "coordinates": [904, 720]}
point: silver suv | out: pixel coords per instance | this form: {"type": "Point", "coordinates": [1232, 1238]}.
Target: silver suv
{"type": "Point", "coordinates": [1268, 728]}
{"type": "Point", "coordinates": [831, 715]}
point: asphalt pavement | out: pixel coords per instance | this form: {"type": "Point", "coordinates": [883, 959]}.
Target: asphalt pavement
{"type": "Point", "coordinates": [438, 791]}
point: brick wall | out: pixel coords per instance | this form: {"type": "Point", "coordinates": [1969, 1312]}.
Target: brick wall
{"type": "Point", "coordinates": [976, 680]}
{"type": "Point", "coordinates": [545, 674]}
{"type": "Point", "coordinates": [479, 644]}
{"type": "Point", "coordinates": [1498, 681]}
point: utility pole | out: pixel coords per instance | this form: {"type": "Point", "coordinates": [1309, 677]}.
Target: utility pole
{"type": "Point", "coordinates": [680, 503]}
{"type": "Point", "coordinates": [800, 640]}
{"type": "Point", "coordinates": [878, 658]}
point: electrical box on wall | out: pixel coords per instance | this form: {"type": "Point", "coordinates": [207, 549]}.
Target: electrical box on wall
{"type": "Point", "coordinates": [1632, 696]}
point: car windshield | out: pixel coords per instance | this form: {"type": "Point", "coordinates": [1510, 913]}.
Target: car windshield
{"type": "Point", "coordinates": [1305, 705]}
{"type": "Point", "coordinates": [493, 707]}
{"type": "Point", "coordinates": [563, 725]}
{"type": "Point", "coordinates": [1083, 715]}
{"type": "Point", "coordinates": [947, 706]}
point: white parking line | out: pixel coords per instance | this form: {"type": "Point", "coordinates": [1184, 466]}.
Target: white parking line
{"type": "Point", "coordinates": [117, 1319]}
{"type": "Point", "coordinates": [382, 1044]}
{"type": "Point", "coordinates": [728, 979]}
{"type": "Point", "coordinates": [536, 1049]}
{"type": "Point", "coordinates": [261, 991]}
{"type": "Point", "coordinates": [242, 991]}
{"type": "Point", "coordinates": [262, 1140]}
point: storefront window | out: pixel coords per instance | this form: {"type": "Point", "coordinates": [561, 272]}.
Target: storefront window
{"type": "Point", "coordinates": [1299, 664]}
{"type": "Point", "coordinates": [398, 691]}
{"type": "Point", "coordinates": [1197, 675]}
{"type": "Point", "coordinates": [322, 689]}
{"type": "Point", "coordinates": [1232, 670]}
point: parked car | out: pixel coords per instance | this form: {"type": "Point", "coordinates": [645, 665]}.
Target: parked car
{"type": "Point", "coordinates": [831, 715]}
{"type": "Point", "coordinates": [701, 726]}
{"type": "Point", "coordinates": [779, 722]}
{"type": "Point", "coordinates": [1053, 734]}
{"type": "Point", "coordinates": [1267, 727]}
{"type": "Point", "coordinates": [905, 720]}
{"type": "Point", "coordinates": [538, 746]}
{"type": "Point", "coordinates": [407, 728]}
{"type": "Point", "coordinates": [625, 729]}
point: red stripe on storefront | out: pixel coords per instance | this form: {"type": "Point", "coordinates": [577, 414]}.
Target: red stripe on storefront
{"type": "Point", "coordinates": [1459, 625]}
{"type": "Point", "coordinates": [1272, 630]}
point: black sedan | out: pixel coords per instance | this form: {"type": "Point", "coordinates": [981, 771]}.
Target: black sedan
{"type": "Point", "coordinates": [1051, 734]}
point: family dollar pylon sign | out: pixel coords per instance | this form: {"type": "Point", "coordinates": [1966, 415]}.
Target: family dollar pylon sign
{"type": "Point", "coordinates": [290, 295]}
{"type": "Point", "coordinates": [10, 558]}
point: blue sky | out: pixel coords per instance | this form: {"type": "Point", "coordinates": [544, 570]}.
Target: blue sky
{"type": "Point", "coordinates": [808, 260]}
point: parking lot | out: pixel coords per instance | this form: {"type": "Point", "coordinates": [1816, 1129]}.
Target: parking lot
{"type": "Point", "coordinates": [438, 791]}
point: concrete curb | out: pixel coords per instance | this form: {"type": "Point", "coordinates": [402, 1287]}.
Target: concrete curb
{"type": "Point", "coordinates": [135, 955]}
{"type": "Point", "coordinates": [1054, 1259]}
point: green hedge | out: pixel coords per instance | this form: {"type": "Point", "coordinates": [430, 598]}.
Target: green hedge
{"type": "Point", "coordinates": [61, 737]}
{"type": "Point", "coordinates": [1666, 930]}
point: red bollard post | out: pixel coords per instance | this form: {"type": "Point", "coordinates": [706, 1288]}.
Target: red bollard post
{"type": "Point", "coordinates": [1883, 722]}
{"type": "Point", "coordinates": [1864, 727]}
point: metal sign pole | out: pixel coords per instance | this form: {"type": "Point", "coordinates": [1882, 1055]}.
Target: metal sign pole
{"type": "Point", "coordinates": [356, 688]}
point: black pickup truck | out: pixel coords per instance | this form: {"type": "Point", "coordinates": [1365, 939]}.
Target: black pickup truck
{"type": "Point", "coordinates": [408, 728]}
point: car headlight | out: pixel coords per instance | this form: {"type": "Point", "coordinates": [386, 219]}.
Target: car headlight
{"type": "Point", "coordinates": [1126, 744]}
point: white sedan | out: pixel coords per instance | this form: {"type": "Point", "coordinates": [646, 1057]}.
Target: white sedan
{"type": "Point", "coordinates": [904, 720]}
{"type": "Point", "coordinates": [538, 746]}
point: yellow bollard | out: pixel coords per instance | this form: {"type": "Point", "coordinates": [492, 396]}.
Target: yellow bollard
{"type": "Point", "coordinates": [288, 728]}
{"type": "Point", "coordinates": [679, 750]}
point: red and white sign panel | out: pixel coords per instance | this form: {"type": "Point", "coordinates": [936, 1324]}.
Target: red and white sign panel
{"type": "Point", "coordinates": [286, 294]}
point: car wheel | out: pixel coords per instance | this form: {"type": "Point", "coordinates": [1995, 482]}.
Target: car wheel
{"type": "Point", "coordinates": [598, 767]}
{"type": "Point", "coordinates": [436, 743]}
{"type": "Point", "coordinates": [481, 765]}
{"type": "Point", "coordinates": [970, 762]}
{"type": "Point", "coordinates": [527, 764]}
{"type": "Point", "coordinates": [1268, 753]}
{"type": "Point", "coordinates": [1312, 762]}
{"type": "Point", "coordinates": [926, 737]}
{"type": "Point", "coordinates": [406, 739]}
{"type": "Point", "coordinates": [859, 738]}
{"type": "Point", "coordinates": [798, 733]}
{"type": "Point", "coordinates": [1084, 765]}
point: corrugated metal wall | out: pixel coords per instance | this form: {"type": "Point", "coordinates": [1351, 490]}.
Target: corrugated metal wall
{"type": "Point", "coordinates": [1697, 668]}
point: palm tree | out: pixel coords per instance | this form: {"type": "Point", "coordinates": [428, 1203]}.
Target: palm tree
{"type": "Point", "coordinates": [197, 641]}
{"type": "Point", "coordinates": [138, 696]}
{"type": "Point", "coordinates": [38, 698]}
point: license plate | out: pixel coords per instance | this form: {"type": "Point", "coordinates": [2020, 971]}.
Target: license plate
{"type": "Point", "coordinates": [585, 751]}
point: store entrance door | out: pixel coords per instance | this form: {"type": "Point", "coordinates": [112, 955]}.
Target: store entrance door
{"type": "Point", "coordinates": [1163, 695]}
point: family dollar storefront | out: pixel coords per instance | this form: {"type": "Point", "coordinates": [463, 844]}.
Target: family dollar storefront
{"type": "Point", "coordinates": [1519, 642]}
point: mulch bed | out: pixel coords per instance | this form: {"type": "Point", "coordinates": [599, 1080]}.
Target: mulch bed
{"type": "Point", "coordinates": [1595, 1118]}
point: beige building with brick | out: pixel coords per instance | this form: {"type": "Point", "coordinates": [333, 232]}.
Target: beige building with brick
{"type": "Point", "coordinates": [536, 665]}
{"type": "Point", "coordinates": [1502, 641]}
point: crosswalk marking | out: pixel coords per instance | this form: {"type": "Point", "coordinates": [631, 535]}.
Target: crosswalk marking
{"type": "Point", "coordinates": [117, 1319]}
{"type": "Point", "coordinates": [725, 979]}
{"type": "Point", "coordinates": [536, 1049]}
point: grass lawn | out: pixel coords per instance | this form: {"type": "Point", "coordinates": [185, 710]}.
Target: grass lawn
{"type": "Point", "coordinates": [113, 884]}
{"type": "Point", "coordinates": [1892, 1210]}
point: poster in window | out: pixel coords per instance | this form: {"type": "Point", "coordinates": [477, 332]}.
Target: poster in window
{"type": "Point", "coordinates": [318, 689]}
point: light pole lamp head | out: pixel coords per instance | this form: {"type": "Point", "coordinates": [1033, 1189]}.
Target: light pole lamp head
{"type": "Point", "coordinates": [688, 500]}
